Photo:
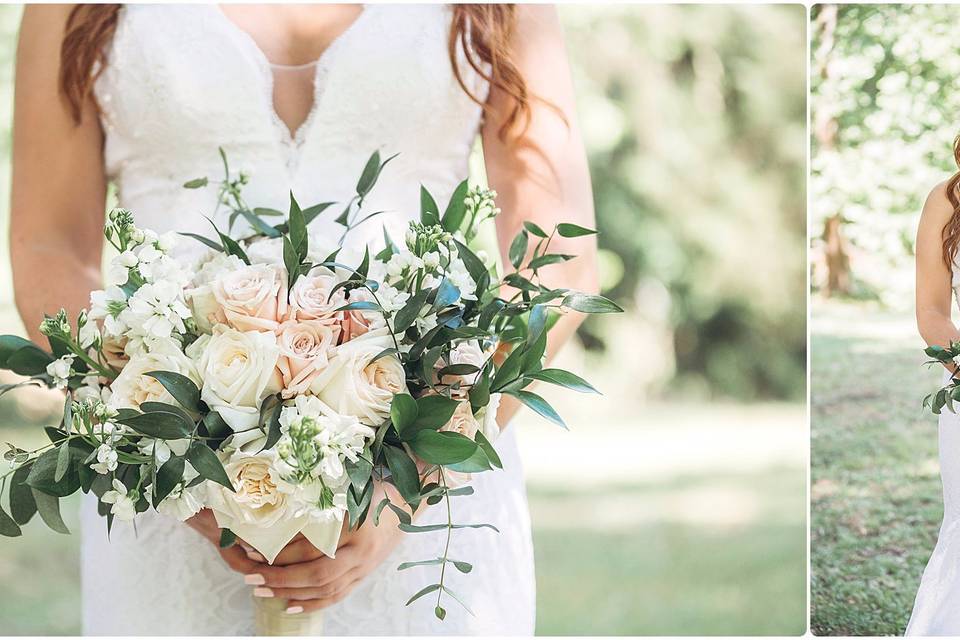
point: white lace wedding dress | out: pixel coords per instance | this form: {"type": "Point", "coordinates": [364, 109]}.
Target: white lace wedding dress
{"type": "Point", "coordinates": [181, 81]}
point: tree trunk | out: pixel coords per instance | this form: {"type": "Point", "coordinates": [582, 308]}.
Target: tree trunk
{"type": "Point", "coordinates": [825, 128]}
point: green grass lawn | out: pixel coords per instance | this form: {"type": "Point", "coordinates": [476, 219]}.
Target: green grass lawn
{"type": "Point", "coordinates": [876, 502]}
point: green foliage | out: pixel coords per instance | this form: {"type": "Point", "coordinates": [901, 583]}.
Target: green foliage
{"type": "Point", "coordinates": [884, 112]}
{"type": "Point", "coordinates": [694, 121]}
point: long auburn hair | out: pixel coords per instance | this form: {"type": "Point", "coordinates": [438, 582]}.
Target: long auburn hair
{"type": "Point", "coordinates": [483, 32]}
{"type": "Point", "coordinates": [951, 230]}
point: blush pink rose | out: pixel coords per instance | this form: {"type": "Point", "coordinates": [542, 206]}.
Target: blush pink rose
{"type": "Point", "coordinates": [251, 298]}
{"type": "Point", "coordinates": [310, 299]}
{"type": "Point", "coordinates": [305, 349]}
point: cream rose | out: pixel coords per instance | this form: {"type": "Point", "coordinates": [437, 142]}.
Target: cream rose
{"type": "Point", "coordinates": [252, 297]}
{"type": "Point", "coordinates": [238, 369]}
{"type": "Point", "coordinates": [310, 298]}
{"type": "Point", "coordinates": [354, 384]}
{"type": "Point", "coordinates": [262, 509]}
{"type": "Point", "coordinates": [132, 387]}
{"type": "Point", "coordinates": [305, 349]}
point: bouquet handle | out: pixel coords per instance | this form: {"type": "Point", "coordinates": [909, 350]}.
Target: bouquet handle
{"type": "Point", "coordinates": [270, 618]}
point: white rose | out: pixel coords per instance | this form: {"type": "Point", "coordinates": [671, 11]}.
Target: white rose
{"type": "Point", "coordinates": [132, 387]}
{"type": "Point", "coordinates": [354, 384]}
{"type": "Point", "coordinates": [238, 370]}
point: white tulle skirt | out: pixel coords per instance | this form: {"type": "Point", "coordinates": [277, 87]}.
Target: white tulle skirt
{"type": "Point", "coordinates": [164, 579]}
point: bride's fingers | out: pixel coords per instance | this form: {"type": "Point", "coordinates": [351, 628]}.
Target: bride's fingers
{"type": "Point", "coordinates": [237, 560]}
{"type": "Point", "coordinates": [306, 606]}
{"type": "Point", "coordinates": [295, 552]}
{"type": "Point", "coordinates": [310, 593]}
{"type": "Point", "coordinates": [314, 573]}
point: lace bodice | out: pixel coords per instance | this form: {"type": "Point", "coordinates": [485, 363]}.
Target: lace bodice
{"type": "Point", "coordinates": [182, 80]}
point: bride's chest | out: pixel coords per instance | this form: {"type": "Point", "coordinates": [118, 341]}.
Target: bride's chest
{"type": "Point", "coordinates": [185, 75]}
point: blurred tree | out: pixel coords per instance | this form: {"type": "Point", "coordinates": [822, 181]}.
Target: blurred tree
{"type": "Point", "coordinates": [694, 118]}
{"type": "Point", "coordinates": [885, 114]}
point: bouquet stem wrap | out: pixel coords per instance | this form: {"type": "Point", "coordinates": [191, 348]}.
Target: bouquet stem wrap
{"type": "Point", "coordinates": [271, 619]}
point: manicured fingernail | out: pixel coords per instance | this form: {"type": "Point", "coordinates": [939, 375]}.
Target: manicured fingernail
{"type": "Point", "coordinates": [294, 609]}
{"type": "Point", "coordinates": [256, 557]}
{"type": "Point", "coordinates": [254, 579]}
{"type": "Point", "coordinates": [263, 592]}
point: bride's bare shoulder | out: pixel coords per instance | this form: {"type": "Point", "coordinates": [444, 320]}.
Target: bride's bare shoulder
{"type": "Point", "coordinates": [45, 19]}
{"type": "Point", "coordinates": [937, 208]}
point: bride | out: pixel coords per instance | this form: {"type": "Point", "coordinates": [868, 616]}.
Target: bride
{"type": "Point", "coordinates": [936, 611]}
{"type": "Point", "coordinates": [140, 97]}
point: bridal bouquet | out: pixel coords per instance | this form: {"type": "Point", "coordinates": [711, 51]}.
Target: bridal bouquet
{"type": "Point", "coordinates": [949, 393]}
{"type": "Point", "coordinates": [278, 378]}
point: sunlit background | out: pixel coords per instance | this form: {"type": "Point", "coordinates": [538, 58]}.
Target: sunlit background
{"type": "Point", "coordinates": [676, 503]}
{"type": "Point", "coordinates": [885, 113]}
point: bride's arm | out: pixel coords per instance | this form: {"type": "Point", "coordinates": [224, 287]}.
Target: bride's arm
{"type": "Point", "coordinates": [934, 290]}
{"type": "Point", "coordinates": [543, 177]}
{"type": "Point", "coordinates": [58, 186]}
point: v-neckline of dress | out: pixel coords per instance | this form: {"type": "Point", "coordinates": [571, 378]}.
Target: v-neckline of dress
{"type": "Point", "coordinates": [292, 138]}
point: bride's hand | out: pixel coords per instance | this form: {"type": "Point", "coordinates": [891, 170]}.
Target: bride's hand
{"type": "Point", "coordinates": [310, 580]}
{"type": "Point", "coordinates": [206, 525]}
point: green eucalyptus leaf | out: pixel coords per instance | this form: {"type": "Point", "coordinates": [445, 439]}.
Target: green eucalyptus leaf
{"type": "Point", "coordinates": [22, 503]}
{"type": "Point", "coordinates": [518, 249]}
{"type": "Point", "coordinates": [10, 344]}
{"type": "Point", "coordinates": [49, 508]}
{"type": "Point", "coordinates": [204, 240]}
{"type": "Point", "coordinates": [410, 311]}
{"type": "Point", "coordinates": [208, 464]}
{"type": "Point", "coordinates": [433, 412]}
{"type": "Point", "coordinates": [534, 229]}
{"type": "Point", "coordinates": [423, 592]}
{"type": "Point", "coordinates": [169, 475]}
{"type": "Point", "coordinates": [30, 360]}
{"type": "Point", "coordinates": [8, 526]}
{"type": "Point", "coordinates": [568, 230]}
{"type": "Point", "coordinates": [429, 211]}
{"type": "Point", "coordinates": [590, 303]}
{"type": "Point", "coordinates": [442, 447]}
{"type": "Point", "coordinates": [456, 209]}
{"type": "Point", "coordinates": [563, 379]}
{"type": "Point", "coordinates": [182, 388]}
{"type": "Point", "coordinates": [63, 462]}
{"type": "Point", "coordinates": [196, 183]}
{"type": "Point", "coordinates": [550, 258]}
{"type": "Point", "coordinates": [165, 425]}
{"type": "Point", "coordinates": [227, 539]}
{"type": "Point", "coordinates": [404, 472]}
{"type": "Point", "coordinates": [539, 405]}
{"type": "Point", "coordinates": [403, 411]}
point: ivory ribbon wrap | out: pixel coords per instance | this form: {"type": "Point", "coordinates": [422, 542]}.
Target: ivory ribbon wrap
{"type": "Point", "coordinates": [270, 541]}
{"type": "Point", "coordinates": [271, 619]}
